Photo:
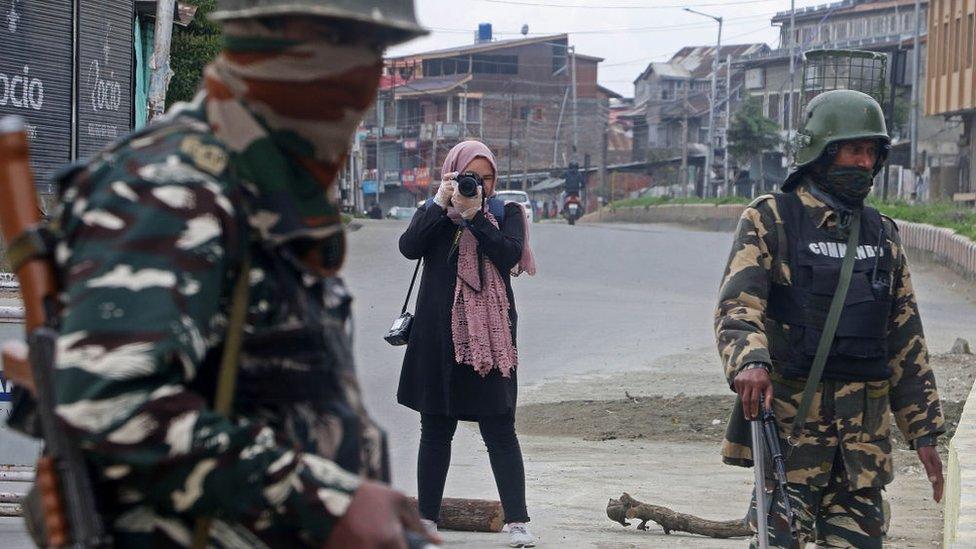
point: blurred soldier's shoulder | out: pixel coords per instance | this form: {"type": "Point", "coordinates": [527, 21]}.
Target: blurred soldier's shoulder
{"type": "Point", "coordinates": [172, 170]}
{"type": "Point", "coordinates": [762, 207]}
{"type": "Point", "coordinates": [177, 152]}
{"type": "Point", "coordinates": [760, 201]}
{"type": "Point", "coordinates": [889, 223]}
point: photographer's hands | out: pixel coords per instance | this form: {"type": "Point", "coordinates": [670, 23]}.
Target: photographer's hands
{"type": "Point", "coordinates": [446, 190]}
{"type": "Point", "coordinates": [467, 206]}
{"type": "Point", "coordinates": [448, 195]}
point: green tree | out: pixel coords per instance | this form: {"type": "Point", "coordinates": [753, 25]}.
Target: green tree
{"type": "Point", "coordinates": [192, 48]}
{"type": "Point", "coordinates": [751, 134]}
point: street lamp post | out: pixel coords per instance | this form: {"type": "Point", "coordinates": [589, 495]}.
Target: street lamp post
{"type": "Point", "coordinates": [710, 146]}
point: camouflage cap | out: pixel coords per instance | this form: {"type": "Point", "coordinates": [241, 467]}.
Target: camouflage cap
{"type": "Point", "coordinates": [395, 20]}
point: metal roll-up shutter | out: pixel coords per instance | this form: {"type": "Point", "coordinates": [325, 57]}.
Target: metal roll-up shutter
{"type": "Point", "coordinates": [35, 77]}
{"type": "Point", "coordinates": [105, 36]}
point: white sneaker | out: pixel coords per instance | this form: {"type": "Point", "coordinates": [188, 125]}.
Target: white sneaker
{"type": "Point", "coordinates": [520, 535]}
{"type": "Point", "coordinates": [429, 525]}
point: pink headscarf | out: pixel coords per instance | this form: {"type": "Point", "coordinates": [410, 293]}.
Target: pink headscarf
{"type": "Point", "coordinates": [480, 324]}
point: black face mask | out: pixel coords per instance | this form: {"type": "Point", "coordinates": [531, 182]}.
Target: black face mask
{"type": "Point", "coordinates": [848, 185]}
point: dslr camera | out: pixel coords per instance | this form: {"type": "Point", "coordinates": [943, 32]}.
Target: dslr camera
{"type": "Point", "coordinates": [468, 183]}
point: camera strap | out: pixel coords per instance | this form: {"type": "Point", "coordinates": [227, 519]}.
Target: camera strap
{"type": "Point", "coordinates": [410, 290]}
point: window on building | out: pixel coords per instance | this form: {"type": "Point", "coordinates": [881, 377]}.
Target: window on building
{"type": "Point", "coordinates": [907, 22]}
{"type": "Point", "coordinates": [806, 35]}
{"type": "Point", "coordinates": [841, 31]}
{"type": "Point", "coordinates": [969, 41]}
{"type": "Point", "coordinates": [957, 24]}
{"type": "Point", "coordinates": [494, 64]}
{"type": "Point", "coordinates": [474, 110]}
{"type": "Point", "coordinates": [667, 94]}
{"type": "Point", "coordinates": [773, 111]}
{"type": "Point", "coordinates": [559, 56]}
{"type": "Point", "coordinates": [945, 48]}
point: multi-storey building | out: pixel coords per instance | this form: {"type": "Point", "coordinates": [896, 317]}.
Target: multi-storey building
{"type": "Point", "coordinates": [950, 89]}
{"type": "Point", "coordinates": [672, 101]}
{"type": "Point", "coordinates": [518, 96]}
{"type": "Point", "coordinates": [885, 26]}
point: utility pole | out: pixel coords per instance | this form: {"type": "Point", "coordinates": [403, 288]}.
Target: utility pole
{"type": "Point", "coordinates": [792, 107]}
{"type": "Point", "coordinates": [728, 117]}
{"type": "Point", "coordinates": [572, 50]}
{"type": "Point", "coordinates": [683, 176]}
{"type": "Point", "coordinates": [525, 154]}
{"type": "Point", "coordinates": [605, 146]}
{"type": "Point", "coordinates": [895, 57]}
{"type": "Point", "coordinates": [559, 126]}
{"type": "Point", "coordinates": [916, 76]}
{"type": "Point", "coordinates": [511, 122]}
{"type": "Point", "coordinates": [159, 64]}
{"type": "Point", "coordinates": [710, 146]}
{"type": "Point", "coordinates": [379, 132]}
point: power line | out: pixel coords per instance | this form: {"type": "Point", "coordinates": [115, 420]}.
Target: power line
{"type": "Point", "coordinates": [578, 6]}
{"type": "Point", "coordinates": [663, 28]}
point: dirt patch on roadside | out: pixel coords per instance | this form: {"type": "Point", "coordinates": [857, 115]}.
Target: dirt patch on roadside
{"type": "Point", "coordinates": [701, 418]}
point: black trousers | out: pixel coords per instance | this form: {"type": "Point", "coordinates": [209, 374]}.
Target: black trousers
{"type": "Point", "coordinates": [504, 453]}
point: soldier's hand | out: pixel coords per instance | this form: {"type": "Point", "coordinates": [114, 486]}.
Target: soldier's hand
{"type": "Point", "coordinates": [751, 385]}
{"type": "Point", "coordinates": [377, 518]}
{"type": "Point", "coordinates": [929, 456]}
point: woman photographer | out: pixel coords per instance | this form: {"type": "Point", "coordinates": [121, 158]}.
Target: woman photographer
{"type": "Point", "coordinates": [460, 362]}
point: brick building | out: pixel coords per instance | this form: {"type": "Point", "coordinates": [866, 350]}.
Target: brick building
{"type": "Point", "coordinates": [514, 95]}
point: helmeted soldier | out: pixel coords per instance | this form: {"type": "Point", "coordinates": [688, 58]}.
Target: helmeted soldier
{"type": "Point", "coordinates": [158, 229]}
{"type": "Point", "coordinates": [784, 269]}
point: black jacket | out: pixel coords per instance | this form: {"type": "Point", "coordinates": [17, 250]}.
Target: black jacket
{"type": "Point", "coordinates": [431, 381]}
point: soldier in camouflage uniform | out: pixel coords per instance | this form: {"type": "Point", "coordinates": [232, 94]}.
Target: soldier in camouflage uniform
{"type": "Point", "coordinates": [155, 232]}
{"type": "Point", "coordinates": [781, 275]}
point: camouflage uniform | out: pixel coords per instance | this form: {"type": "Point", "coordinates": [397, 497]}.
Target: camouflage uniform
{"type": "Point", "coordinates": [154, 230]}
{"type": "Point", "coordinates": [843, 459]}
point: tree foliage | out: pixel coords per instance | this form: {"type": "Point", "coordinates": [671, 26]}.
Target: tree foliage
{"type": "Point", "coordinates": [192, 48]}
{"type": "Point", "coordinates": [751, 133]}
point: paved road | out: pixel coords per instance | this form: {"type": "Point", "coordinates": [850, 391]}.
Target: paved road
{"type": "Point", "coordinates": [608, 300]}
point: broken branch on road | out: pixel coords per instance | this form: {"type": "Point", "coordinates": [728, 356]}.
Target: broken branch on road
{"type": "Point", "coordinates": [619, 510]}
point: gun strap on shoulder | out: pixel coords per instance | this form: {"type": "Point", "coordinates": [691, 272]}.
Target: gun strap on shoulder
{"type": "Point", "coordinates": [227, 376]}
{"type": "Point", "coordinates": [829, 329]}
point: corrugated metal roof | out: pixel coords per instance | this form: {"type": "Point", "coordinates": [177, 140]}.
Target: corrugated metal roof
{"type": "Point", "coordinates": [431, 84]}
{"type": "Point", "coordinates": [486, 46]}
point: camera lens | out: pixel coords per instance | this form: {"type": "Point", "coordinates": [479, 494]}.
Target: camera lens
{"type": "Point", "coordinates": [468, 183]}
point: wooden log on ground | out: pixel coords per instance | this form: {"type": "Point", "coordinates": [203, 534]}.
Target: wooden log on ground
{"type": "Point", "coordinates": [619, 510]}
{"type": "Point", "coordinates": [471, 515]}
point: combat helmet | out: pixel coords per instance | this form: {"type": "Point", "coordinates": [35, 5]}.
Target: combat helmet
{"type": "Point", "coordinates": [832, 117]}
{"type": "Point", "coordinates": [394, 20]}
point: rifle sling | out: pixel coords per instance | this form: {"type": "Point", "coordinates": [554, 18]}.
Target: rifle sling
{"type": "Point", "coordinates": [227, 376]}
{"type": "Point", "coordinates": [829, 329]}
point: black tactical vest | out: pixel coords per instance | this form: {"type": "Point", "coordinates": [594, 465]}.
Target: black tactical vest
{"type": "Point", "coordinates": [859, 351]}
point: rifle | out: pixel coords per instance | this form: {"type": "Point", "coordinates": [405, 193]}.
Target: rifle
{"type": "Point", "coordinates": [67, 500]}
{"type": "Point", "coordinates": [766, 443]}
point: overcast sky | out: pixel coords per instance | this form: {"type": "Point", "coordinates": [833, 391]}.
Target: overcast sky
{"type": "Point", "coordinates": [625, 33]}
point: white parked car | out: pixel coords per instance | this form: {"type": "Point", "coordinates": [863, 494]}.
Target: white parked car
{"type": "Point", "coordinates": [521, 198]}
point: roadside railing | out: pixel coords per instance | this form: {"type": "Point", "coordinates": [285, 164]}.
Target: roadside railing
{"type": "Point", "coordinates": [11, 503]}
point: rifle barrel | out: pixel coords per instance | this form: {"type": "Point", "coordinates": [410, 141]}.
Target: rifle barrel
{"type": "Point", "coordinates": [20, 212]}
{"type": "Point", "coordinates": [759, 468]}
